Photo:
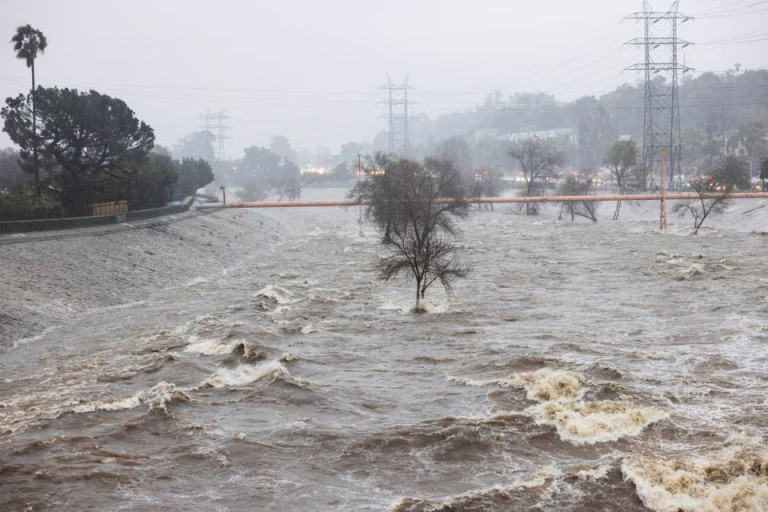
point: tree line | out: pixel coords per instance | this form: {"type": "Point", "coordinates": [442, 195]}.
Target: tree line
{"type": "Point", "coordinates": [81, 148]}
{"type": "Point", "coordinates": [415, 204]}
{"type": "Point", "coordinates": [720, 114]}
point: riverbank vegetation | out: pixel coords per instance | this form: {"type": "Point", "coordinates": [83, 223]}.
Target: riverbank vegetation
{"type": "Point", "coordinates": [82, 148]}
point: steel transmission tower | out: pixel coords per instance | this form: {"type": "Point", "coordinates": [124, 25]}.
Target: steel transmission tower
{"type": "Point", "coordinates": [211, 122]}
{"type": "Point", "coordinates": [661, 121]}
{"type": "Point", "coordinates": [397, 116]}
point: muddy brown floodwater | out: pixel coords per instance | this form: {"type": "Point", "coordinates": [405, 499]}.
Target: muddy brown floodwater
{"type": "Point", "coordinates": [580, 367]}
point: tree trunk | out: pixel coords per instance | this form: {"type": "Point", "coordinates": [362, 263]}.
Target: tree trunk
{"type": "Point", "coordinates": [34, 135]}
{"type": "Point", "coordinates": [622, 190]}
{"type": "Point", "coordinates": [530, 208]}
{"type": "Point", "coordinates": [418, 308]}
{"type": "Point", "coordinates": [74, 195]}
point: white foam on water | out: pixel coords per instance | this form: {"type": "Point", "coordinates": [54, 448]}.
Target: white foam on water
{"type": "Point", "coordinates": [544, 482]}
{"type": "Point", "coordinates": [31, 339]}
{"type": "Point", "coordinates": [404, 305]}
{"type": "Point", "coordinates": [470, 381]}
{"type": "Point", "coordinates": [542, 385]}
{"type": "Point", "coordinates": [276, 293]}
{"type": "Point", "coordinates": [560, 394]}
{"type": "Point", "coordinates": [690, 272]}
{"type": "Point", "coordinates": [547, 385]}
{"type": "Point", "coordinates": [209, 347]}
{"type": "Point", "coordinates": [197, 280]}
{"type": "Point", "coordinates": [596, 422]}
{"type": "Point", "coordinates": [593, 473]}
{"type": "Point", "coordinates": [401, 305]}
{"type": "Point", "coordinates": [203, 326]}
{"type": "Point", "coordinates": [218, 347]}
{"type": "Point", "coordinates": [732, 479]}
{"type": "Point", "coordinates": [279, 310]}
{"type": "Point", "coordinates": [206, 321]}
{"type": "Point", "coordinates": [156, 397]}
{"type": "Point", "coordinates": [243, 374]}
{"type": "Point", "coordinates": [327, 295]}
{"type": "Point", "coordinates": [693, 266]}
{"type": "Point", "coordinates": [545, 478]}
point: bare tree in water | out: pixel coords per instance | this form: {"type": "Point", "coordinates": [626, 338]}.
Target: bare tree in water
{"type": "Point", "coordinates": [414, 206]}
{"type": "Point", "coordinates": [573, 186]}
{"type": "Point", "coordinates": [487, 184]}
{"type": "Point", "coordinates": [621, 160]}
{"type": "Point", "coordinates": [539, 159]}
{"type": "Point", "coordinates": [729, 175]}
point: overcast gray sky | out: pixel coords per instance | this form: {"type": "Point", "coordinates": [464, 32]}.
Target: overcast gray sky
{"type": "Point", "coordinates": [311, 70]}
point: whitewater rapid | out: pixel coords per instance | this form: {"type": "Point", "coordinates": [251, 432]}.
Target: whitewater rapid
{"type": "Point", "coordinates": [581, 366]}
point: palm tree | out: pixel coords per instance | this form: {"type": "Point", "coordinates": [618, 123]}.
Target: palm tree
{"type": "Point", "coordinates": [27, 43]}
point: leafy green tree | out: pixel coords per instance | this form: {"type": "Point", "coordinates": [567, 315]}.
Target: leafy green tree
{"type": "Point", "coordinates": [415, 225]}
{"type": "Point", "coordinates": [84, 138]}
{"type": "Point", "coordinates": [752, 138]}
{"type": "Point", "coordinates": [150, 186]}
{"type": "Point", "coordinates": [28, 42]}
{"type": "Point", "coordinates": [596, 133]}
{"type": "Point", "coordinates": [699, 150]}
{"type": "Point", "coordinates": [24, 204]}
{"type": "Point", "coordinates": [259, 163]}
{"type": "Point", "coordinates": [280, 146]}
{"type": "Point", "coordinates": [352, 149]}
{"type": "Point", "coordinates": [11, 174]}
{"type": "Point", "coordinates": [729, 175]}
{"type": "Point", "coordinates": [153, 183]}
{"type": "Point", "coordinates": [196, 145]}
{"type": "Point", "coordinates": [192, 175]}
{"type": "Point", "coordinates": [272, 173]}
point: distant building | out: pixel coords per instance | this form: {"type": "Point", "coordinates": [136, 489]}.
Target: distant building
{"type": "Point", "coordinates": [496, 134]}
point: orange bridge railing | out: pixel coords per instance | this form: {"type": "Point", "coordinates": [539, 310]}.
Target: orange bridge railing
{"type": "Point", "coordinates": [496, 200]}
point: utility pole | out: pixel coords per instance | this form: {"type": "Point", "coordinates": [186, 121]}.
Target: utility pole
{"type": "Point", "coordinates": [359, 206]}
{"type": "Point", "coordinates": [214, 123]}
{"type": "Point", "coordinates": [763, 173]}
{"type": "Point", "coordinates": [663, 201]}
{"type": "Point", "coordinates": [661, 120]}
{"type": "Point", "coordinates": [397, 116]}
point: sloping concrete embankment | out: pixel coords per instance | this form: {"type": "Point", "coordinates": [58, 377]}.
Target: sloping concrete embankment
{"type": "Point", "coordinates": [47, 279]}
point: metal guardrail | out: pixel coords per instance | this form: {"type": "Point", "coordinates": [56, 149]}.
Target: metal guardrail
{"type": "Point", "coordinates": [28, 226]}
{"type": "Point", "coordinates": [158, 212]}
